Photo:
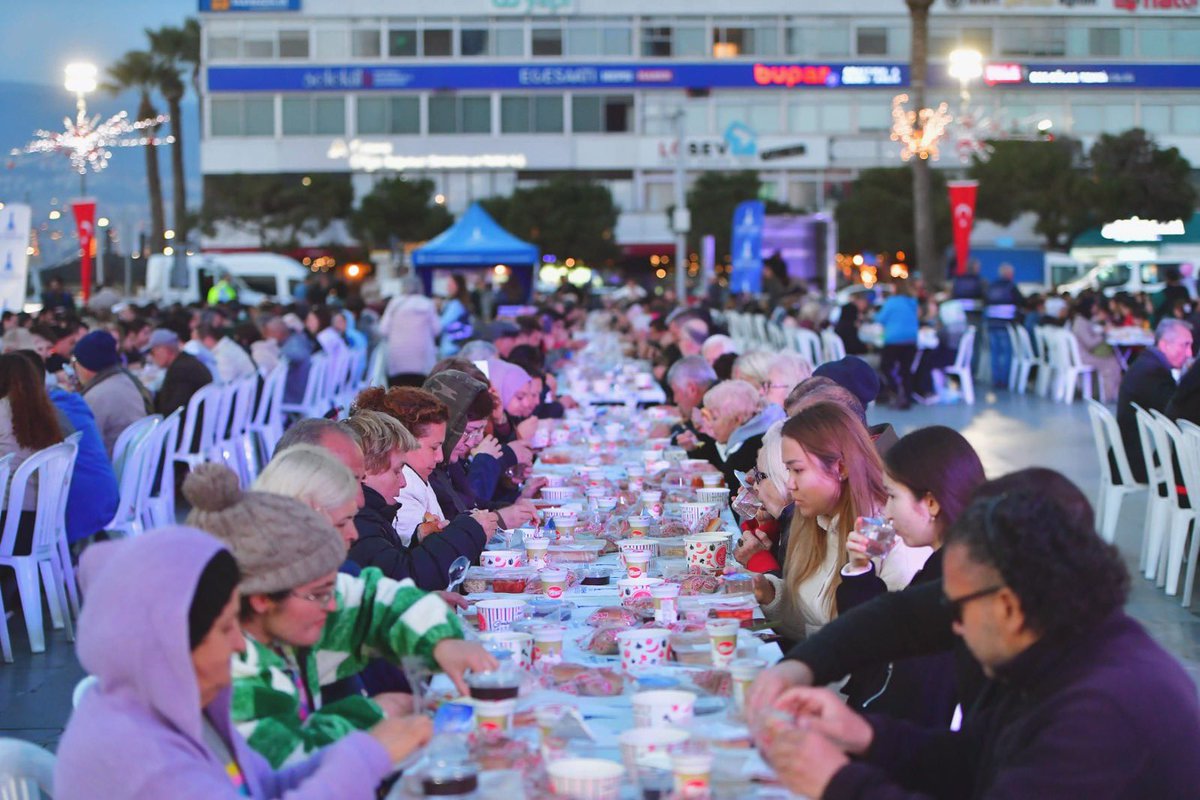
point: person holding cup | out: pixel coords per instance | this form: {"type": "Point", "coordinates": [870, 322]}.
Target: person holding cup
{"type": "Point", "coordinates": [834, 476]}
{"type": "Point", "coordinates": [930, 476]}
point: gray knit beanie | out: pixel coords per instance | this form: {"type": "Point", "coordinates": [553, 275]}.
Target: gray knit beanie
{"type": "Point", "coordinates": [279, 542]}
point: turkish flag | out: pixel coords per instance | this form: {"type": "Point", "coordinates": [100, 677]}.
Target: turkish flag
{"type": "Point", "coordinates": [962, 215]}
{"type": "Point", "coordinates": [84, 210]}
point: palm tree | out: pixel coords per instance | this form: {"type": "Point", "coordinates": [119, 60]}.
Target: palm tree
{"type": "Point", "coordinates": [136, 70]}
{"type": "Point", "coordinates": [927, 258]}
{"type": "Point", "coordinates": [170, 48]}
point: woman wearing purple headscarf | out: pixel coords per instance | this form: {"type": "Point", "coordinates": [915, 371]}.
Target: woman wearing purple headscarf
{"type": "Point", "coordinates": [518, 398]}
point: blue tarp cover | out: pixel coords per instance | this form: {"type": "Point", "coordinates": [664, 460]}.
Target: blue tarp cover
{"type": "Point", "coordinates": [475, 240]}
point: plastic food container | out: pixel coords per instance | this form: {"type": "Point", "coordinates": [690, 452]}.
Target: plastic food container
{"type": "Point", "coordinates": [503, 581]}
{"type": "Point", "coordinates": [575, 553]}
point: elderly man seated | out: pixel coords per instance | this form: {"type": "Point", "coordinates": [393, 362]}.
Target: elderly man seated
{"type": "Point", "coordinates": [185, 374]}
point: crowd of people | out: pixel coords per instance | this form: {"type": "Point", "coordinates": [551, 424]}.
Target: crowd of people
{"type": "Point", "coordinates": [260, 651]}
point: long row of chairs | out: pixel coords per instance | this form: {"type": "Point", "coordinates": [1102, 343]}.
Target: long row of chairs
{"type": "Point", "coordinates": [756, 332]}
{"type": "Point", "coordinates": [1051, 357]}
{"type": "Point", "coordinates": [237, 424]}
{"type": "Point", "coordinates": [1171, 531]}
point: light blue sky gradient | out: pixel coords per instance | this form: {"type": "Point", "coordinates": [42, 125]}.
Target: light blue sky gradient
{"type": "Point", "coordinates": [39, 37]}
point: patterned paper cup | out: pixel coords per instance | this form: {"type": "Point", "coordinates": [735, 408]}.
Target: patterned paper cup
{"type": "Point", "coordinates": [519, 644]}
{"type": "Point", "coordinates": [499, 615]}
{"type": "Point", "coordinates": [554, 583]}
{"type": "Point", "coordinates": [558, 494]}
{"type": "Point", "coordinates": [719, 495]}
{"type": "Point", "coordinates": [643, 647]}
{"type": "Point", "coordinates": [501, 559]}
{"type": "Point", "coordinates": [649, 746]}
{"type": "Point", "coordinates": [547, 643]}
{"type": "Point", "coordinates": [707, 551]}
{"type": "Point", "coordinates": [723, 635]}
{"type": "Point", "coordinates": [631, 589]}
{"type": "Point", "coordinates": [695, 515]}
{"type": "Point", "coordinates": [663, 707]}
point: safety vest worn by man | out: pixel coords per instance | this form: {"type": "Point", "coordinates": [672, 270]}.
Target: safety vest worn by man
{"type": "Point", "coordinates": [222, 292]}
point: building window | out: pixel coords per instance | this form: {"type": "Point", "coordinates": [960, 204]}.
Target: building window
{"type": "Point", "coordinates": [659, 196]}
{"type": "Point", "coordinates": [1187, 119]}
{"type": "Point", "coordinates": [1185, 42]}
{"type": "Point", "coordinates": [293, 44]}
{"type": "Point", "coordinates": [547, 41]}
{"type": "Point", "coordinates": [243, 116]}
{"type": "Point", "coordinates": [459, 114]}
{"type": "Point", "coordinates": [731, 41]}
{"type": "Point", "coordinates": [314, 116]}
{"type": "Point", "coordinates": [978, 39]}
{"type": "Point", "coordinates": [221, 48]}
{"type": "Point", "coordinates": [536, 114]}
{"type": "Point", "coordinates": [388, 115]}
{"type": "Point", "coordinates": [1042, 40]}
{"type": "Point", "coordinates": [258, 45]}
{"type": "Point", "coordinates": [593, 39]}
{"type": "Point", "coordinates": [509, 42]}
{"type": "Point", "coordinates": [402, 42]}
{"type": "Point", "coordinates": [816, 39]}
{"type": "Point", "coordinates": [691, 40]}
{"type": "Point", "coordinates": [437, 42]}
{"type": "Point", "coordinates": [602, 113]}
{"type": "Point", "coordinates": [761, 117]}
{"type": "Point", "coordinates": [331, 44]}
{"type": "Point", "coordinates": [656, 41]}
{"type": "Point", "coordinates": [872, 41]}
{"type": "Point", "coordinates": [364, 43]}
{"type": "Point", "coordinates": [473, 42]}
{"type": "Point", "coordinates": [1156, 119]}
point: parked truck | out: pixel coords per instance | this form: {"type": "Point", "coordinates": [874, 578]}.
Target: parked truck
{"type": "Point", "coordinates": [257, 277]}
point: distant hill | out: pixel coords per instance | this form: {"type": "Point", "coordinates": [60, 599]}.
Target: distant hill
{"type": "Point", "coordinates": [40, 180]}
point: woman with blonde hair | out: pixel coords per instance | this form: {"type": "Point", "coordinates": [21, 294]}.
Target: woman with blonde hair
{"type": "Point", "coordinates": [313, 476]}
{"type": "Point", "coordinates": [386, 445]}
{"type": "Point", "coordinates": [835, 476]}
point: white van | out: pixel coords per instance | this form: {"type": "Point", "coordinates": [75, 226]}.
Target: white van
{"type": "Point", "coordinates": [1114, 277]}
{"type": "Point", "coordinates": [257, 276]}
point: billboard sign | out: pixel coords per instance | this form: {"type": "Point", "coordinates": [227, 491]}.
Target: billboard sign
{"type": "Point", "coordinates": [219, 6]}
{"type": "Point", "coordinates": [14, 255]}
{"type": "Point", "coordinates": [746, 275]}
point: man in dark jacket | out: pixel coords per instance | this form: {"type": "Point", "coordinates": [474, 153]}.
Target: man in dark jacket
{"type": "Point", "coordinates": [1082, 702]}
{"type": "Point", "coordinates": [689, 378]}
{"type": "Point", "coordinates": [185, 374]}
{"type": "Point", "coordinates": [1149, 383]}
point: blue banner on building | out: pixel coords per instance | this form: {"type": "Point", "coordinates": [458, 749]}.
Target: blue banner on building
{"type": "Point", "coordinates": [746, 248]}
{"type": "Point", "coordinates": [558, 76]}
{"type": "Point", "coordinates": [565, 75]}
{"type": "Point", "coordinates": [218, 6]}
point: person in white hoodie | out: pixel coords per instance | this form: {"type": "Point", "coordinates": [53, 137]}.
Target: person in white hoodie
{"type": "Point", "coordinates": [410, 326]}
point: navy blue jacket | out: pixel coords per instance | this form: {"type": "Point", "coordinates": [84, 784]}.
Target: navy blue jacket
{"type": "Point", "coordinates": [1104, 715]}
{"type": "Point", "coordinates": [426, 561]}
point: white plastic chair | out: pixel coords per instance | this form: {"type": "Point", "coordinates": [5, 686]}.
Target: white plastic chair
{"type": "Point", "coordinates": [85, 685]}
{"type": "Point", "coordinates": [961, 368]}
{"type": "Point", "coordinates": [1183, 517]}
{"type": "Point", "coordinates": [1024, 360]}
{"type": "Point", "coordinates": [158, 477]}
{"type": "Point", "coordinates": [52, 467]}
{"type": "Point", "coordinates": [1157, 454]}
{"type": "Point", "coordinates": [377, 366]}
{"type": "Point", "coordinates": [1072, 371]}
{"type": "Point", "coordinates": [1106, 435]}
{"type": "Point", "coordinates": [26, 770]}
{"type": "Point", "coordinates": [1191, 479]}
{"type": "Point", "coordinates": [315, 402]}
{"type": "Point", "coordinates": [807, 344]}
{"type": "Point", "coordinates": [1045, 373]}
{"type": "Point", "coordinates": [233, 427]}
{"type": "Point", "coordinates": [266, 427]}
{"type": "Point", "coordinates": [5, 642]}
{"type": "Point", "coordinates": [130, 454]}
{"type": "Point", "coordinates": [198, 441]}
{"type": "Point", "coordinates": [835, 348]}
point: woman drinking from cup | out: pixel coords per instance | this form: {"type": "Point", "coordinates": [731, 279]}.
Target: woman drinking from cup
{"type": "Point", "coordinates": [834, 477]}
{"type": "Point", "coordinates": [930, 476]}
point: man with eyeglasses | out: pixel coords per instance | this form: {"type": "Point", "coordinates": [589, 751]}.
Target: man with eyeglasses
{"type": "Point", "coordinates": [1082, 703]}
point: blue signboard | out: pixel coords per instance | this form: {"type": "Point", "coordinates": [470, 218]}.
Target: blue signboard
{"type": "Point", "coordinates": [249, 5]}
{"type": "Point", "coordinates": [558, 75]}
{"type": "Point", "coordinates": [566, 75]}
{"type": "Point", "coordinates": [746, 247]}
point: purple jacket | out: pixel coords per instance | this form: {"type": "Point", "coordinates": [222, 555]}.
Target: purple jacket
{"type": "Point", "coordinates": [139, 732]}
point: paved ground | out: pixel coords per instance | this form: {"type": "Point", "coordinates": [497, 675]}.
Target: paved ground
{"type": "Point", "coordinates": [1009, 433]}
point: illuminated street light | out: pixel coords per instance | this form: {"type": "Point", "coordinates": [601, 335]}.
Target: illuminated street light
{"type": "Point", "coordinates": [1045, 125]}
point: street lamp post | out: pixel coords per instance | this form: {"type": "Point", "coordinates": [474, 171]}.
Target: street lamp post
{"type": "Point", "coordinates": [80, 78]}
{"type": "Point", "coordinates": [681, 218]}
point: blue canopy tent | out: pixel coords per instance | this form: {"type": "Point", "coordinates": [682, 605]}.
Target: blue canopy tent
{"type": "Point", "coordinates": [476, 242]}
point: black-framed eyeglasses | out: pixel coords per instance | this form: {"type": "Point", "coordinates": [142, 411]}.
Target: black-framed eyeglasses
{"type": "Point", "coordinates": [320, 598]}
{"type": "Point", "coordinates": [955, 605]}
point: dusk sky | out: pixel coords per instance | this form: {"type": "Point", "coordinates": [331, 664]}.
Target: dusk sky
{"type": "Point", "coordinates": [39, 37]}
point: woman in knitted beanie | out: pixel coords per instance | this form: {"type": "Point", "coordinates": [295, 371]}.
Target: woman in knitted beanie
{"type": "Point", "coordinates": [306, 625]}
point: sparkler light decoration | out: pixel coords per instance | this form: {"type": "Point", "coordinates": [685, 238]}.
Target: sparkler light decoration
{"type": "Point", "coordinates": [972, 134]}
{"type": "Point", "coordinates": [88, 142]}
{"type": "Point", "coordinates": [919, 131]}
